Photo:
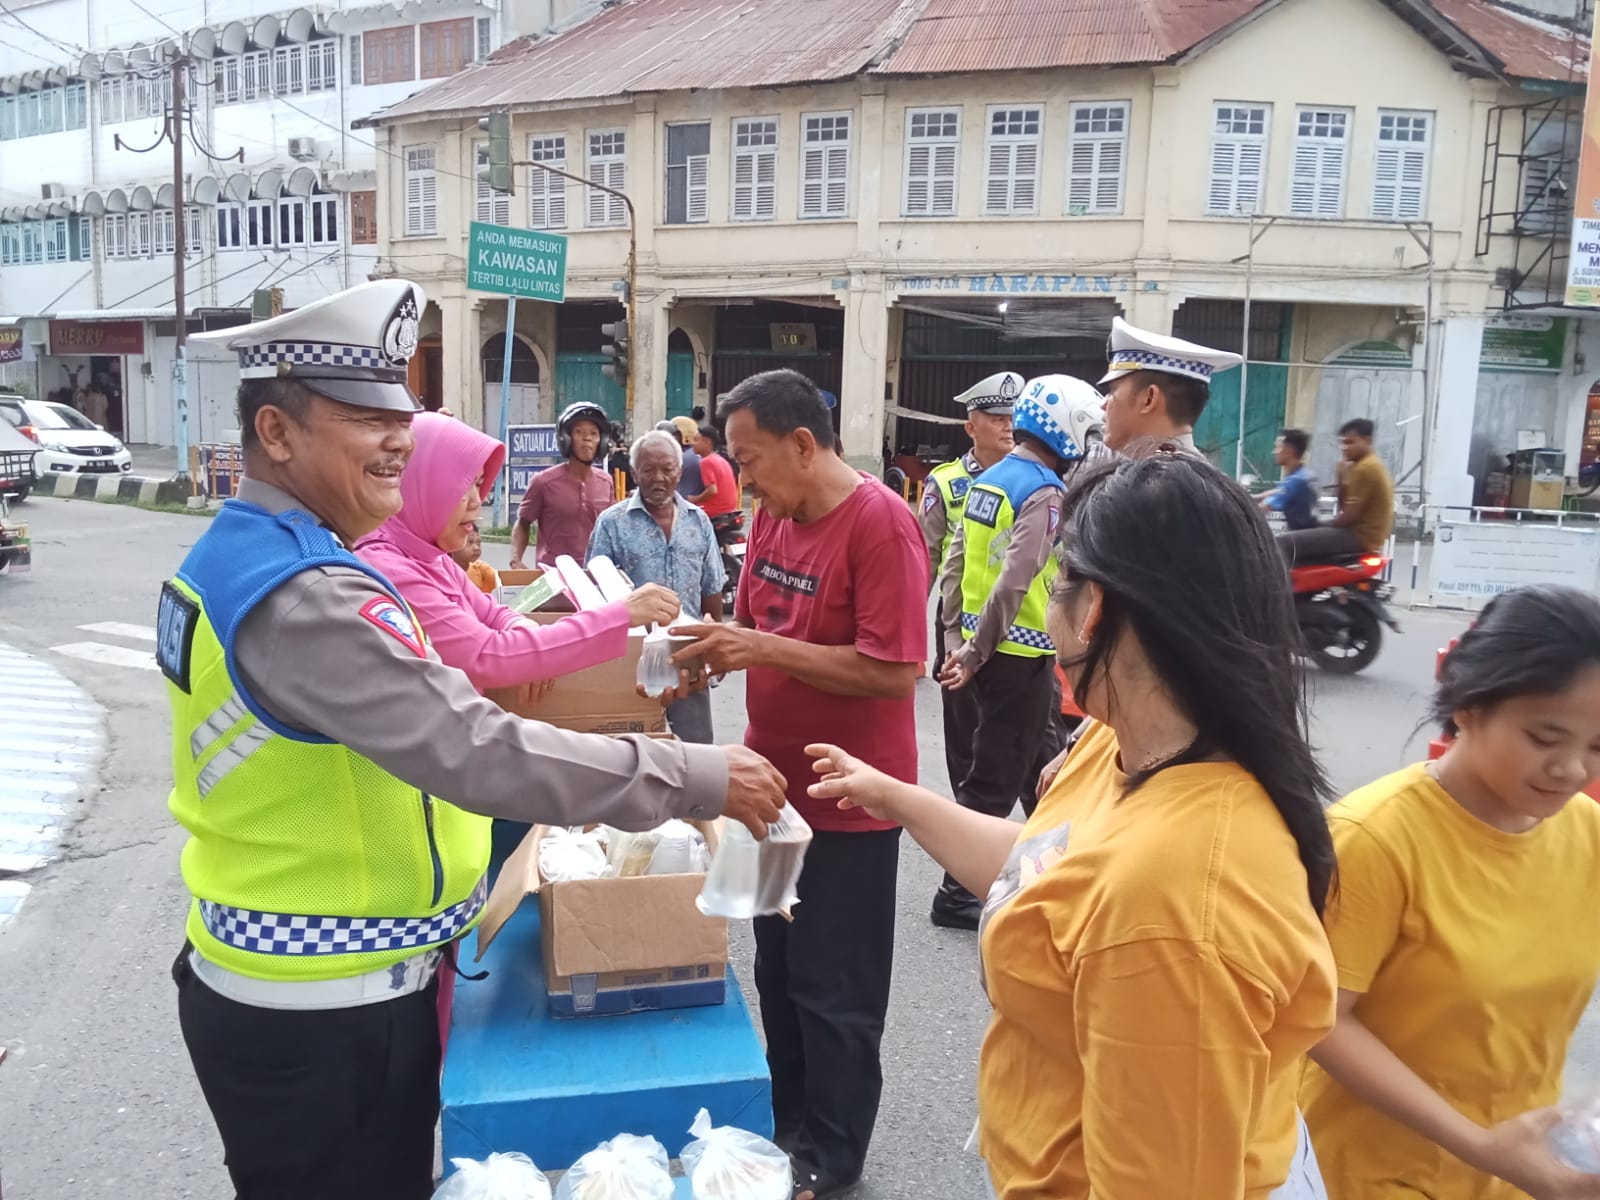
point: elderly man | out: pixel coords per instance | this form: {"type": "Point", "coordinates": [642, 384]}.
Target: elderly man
{"type": "Point", "coordinates": [336, 778]}
{"type": "Point", "coordinates": [656, 536]}
{"type": "Point", "coordinates": [831, 628]}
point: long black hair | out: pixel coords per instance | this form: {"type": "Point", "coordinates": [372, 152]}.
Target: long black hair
{"type": "Point", "coordinates": [1187, 563]}
{"type": "Point", "coordinates": [1532, 641]}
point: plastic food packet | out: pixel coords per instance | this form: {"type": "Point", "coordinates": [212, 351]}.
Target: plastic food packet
{"type": "Point", "coordinates": [680, 850]}
{"type": "Point", "coordinates": [733, 1164]}
{"type": "Point", "coordinates": [498, 1177]}
{"type": "Point", "coordinates": [756, 879]}
{"type": "Point", "coordinates": [566, 855]}
{"type": "Point", "coordinates": [625, 1168]}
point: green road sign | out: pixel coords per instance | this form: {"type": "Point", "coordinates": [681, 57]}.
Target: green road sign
{"type": "Point", "coordinates": [517, 262]}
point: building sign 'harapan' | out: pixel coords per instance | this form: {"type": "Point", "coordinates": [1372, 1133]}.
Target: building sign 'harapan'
{"type": "Point", "coordinates": [1031, 284]}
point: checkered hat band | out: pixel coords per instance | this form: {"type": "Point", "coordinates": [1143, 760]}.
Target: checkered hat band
{"type": "Point", "coordinates": [1031, 638]}
{"type": "Point", "coordinates": [315, 354]}
{"type": "Point", "coordinates": [296, 936]}
{"type": "Point", "coordinates": [1149, 360]}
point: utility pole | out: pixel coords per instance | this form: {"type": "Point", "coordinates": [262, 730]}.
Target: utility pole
{"type": "Point", "coordinates": [180, 328]}
{"type": "Point", "coordinates": [173, 130]}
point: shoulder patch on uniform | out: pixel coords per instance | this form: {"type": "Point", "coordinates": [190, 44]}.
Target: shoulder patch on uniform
{"type": "Point", "coordinates": [983, 506]}
{"type": "Point", "coordinates": [1052, 517]}
{"type": "Point", "coordinates": [930, 497]}
{"type": "Point", "coordinates": [395, 621]}
{"type": "Point", "coordinates": [176, 617]}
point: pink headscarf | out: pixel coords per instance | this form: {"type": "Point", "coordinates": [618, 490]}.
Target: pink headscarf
{"type": "Point", "coordinates": [448, 457]}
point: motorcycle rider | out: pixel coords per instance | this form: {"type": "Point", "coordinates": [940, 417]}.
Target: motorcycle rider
{"type": "Point", "coordinates": [995, 586]}
{"type": "Point", "coordinates": [989, 403]}
{"type": "Point", "coordinates": [566, 500]}
{"type": "Point", "coordinates": [1156, 387]}
{"type": "Point", "coordinates": [1366, 505]}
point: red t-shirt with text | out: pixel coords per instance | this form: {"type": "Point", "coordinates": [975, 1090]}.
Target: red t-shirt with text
{"type": "Point", "coordinates": [857, 576]}
{"type": "Point", "coordinates": [714, 469]}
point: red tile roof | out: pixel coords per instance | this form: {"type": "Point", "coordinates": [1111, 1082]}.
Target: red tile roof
{"type": "Point", "coordinates": [684, 45]}
{"type": "Point", "coordinates": [950, 36]}
{"type": "Point", "coordinates": [1528, 48]}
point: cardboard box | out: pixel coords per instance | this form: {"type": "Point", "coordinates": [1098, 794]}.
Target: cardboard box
{"type": "Point", "coordinates": [614, 946]}
{"type": "Point", "coordinates": [512, 584]}
{"type": "Point", "coordinates": [600, 699]}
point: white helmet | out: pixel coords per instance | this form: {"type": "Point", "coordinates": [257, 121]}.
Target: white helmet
{"type": "Point", "coordinates": [1063, 412]}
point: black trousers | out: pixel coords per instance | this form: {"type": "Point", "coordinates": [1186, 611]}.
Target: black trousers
{"type": "Point", "coordinates": [939, 651]}
{"type": "Point", "coordinates": [320, 1104]}
{"type": "Point", "coordinates": [824, 987]}
{"type": "Point", "coordinates": [1000, 731]}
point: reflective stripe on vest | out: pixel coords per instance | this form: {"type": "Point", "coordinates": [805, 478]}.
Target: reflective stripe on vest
{"type": "Point", "coordinates": [991, 509]}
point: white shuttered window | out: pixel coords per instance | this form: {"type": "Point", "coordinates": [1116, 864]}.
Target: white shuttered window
{"type": "Point", "coordinates": [825, 165]}
{"type": "Point", "coordinates": [1238, 159]}
{"type": "Point", "coordinates": [422, 192]}
{"type": "Point", "coordinates": [933, 161]}
{"type": "Point", "coordinates": [547, 193]}
{"type": "Point", "coordinates": [1321, 155]}
{"type": "Point", "coordinates": [492, 208]}
{"type": "Point", "coordinates": [755, 169]}
{"type": "Point", "coordinates": [1011, 182]}
{"type": "Point", "coordinates": [1097, 157]}
{"type": "Point", "coordinates": [608, 165]}
{"type": "Point", "coordinates": [1400, 166]}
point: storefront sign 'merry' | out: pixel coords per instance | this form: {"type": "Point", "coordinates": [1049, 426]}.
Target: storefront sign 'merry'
{"type": "Point", "coordinates": [1017, 285]}
{"type": "Point", "coordinates": [96, 337]}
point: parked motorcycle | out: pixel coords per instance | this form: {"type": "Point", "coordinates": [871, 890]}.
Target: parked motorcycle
{"type": "Point", "coordinates": [1342, 607]}
{"type": "Point", "coordinates": [729, 528]}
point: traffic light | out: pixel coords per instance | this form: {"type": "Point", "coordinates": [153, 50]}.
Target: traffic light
{"type": "Point", "coordinates": [498, 174]}
{"type": "Point", "coordinates": [616, 349]}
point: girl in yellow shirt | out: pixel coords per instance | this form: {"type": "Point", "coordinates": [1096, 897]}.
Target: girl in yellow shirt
{"type": "Point", "coordinates": [1464, 925]}
{"type": "Point", "coordinates": [1151, 942]}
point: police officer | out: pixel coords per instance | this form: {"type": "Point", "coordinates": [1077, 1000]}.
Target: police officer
{"type": "Point", "coordinates": [337, 780]}
{"type": "Point", "coordinates": [989, 403]}
{"type": "Point", "coordinates": [1156, 387]}
{"type": "Point", "coordinates": [995, 588]}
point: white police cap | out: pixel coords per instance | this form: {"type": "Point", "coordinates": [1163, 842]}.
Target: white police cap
{"type": "Point", "coordinates": [996, 394]}
{"type": "Point", "coordinates": [1131, 349]}
{"type": "Point", "coordinates": [352, 346]}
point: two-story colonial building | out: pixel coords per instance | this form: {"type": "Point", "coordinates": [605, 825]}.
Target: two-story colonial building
{"type": "Point", "coordinates": [900, 196]}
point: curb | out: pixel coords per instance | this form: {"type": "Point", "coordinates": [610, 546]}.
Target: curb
{"type": "Point", "coordinates": [133, 489]}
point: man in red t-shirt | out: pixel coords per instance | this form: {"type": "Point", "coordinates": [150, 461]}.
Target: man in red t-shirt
{"type": "Point", "coordinates": [721, 493]}
{"type": "Point", "coordinates": [830, 628]}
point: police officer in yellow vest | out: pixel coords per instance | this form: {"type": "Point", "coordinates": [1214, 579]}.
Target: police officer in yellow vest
{"type": "Point", "coordinates": [995, 588]}
{"type": "Point", "coordinates": [337, 780]}
{"type": "Point", "coordinates": [989, 403]}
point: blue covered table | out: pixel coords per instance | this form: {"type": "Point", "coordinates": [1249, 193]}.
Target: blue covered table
{"type": "Point", "coordinates": [516, 1079]}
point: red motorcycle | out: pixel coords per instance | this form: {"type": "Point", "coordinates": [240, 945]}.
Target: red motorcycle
{"type": "Point", "coordinates": [1342, 607]}
{"type": "Point", "coordinates": [729, 528]}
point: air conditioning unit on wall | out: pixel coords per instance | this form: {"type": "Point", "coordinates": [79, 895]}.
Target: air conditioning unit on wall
{"type": "Point", "coordinates": [302, 149]}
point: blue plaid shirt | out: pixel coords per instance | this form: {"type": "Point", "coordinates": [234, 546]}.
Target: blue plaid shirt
{"type": "Point", "coordinates": [690, 564]}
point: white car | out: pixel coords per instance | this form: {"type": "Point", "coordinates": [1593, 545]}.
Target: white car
{"type": "Point", "coordinates": [69, 443]}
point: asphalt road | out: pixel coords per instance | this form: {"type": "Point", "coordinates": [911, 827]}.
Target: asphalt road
{"type": "Point", "coordinates": [97, 1101]}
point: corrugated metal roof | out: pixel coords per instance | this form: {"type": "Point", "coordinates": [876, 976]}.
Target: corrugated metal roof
{"type": "Point", "coordinates": [673, 45]}
{"type": "Point", "coordinates": [1528, 47]}
{"type": "Point", "coordinates": [1010, 35]}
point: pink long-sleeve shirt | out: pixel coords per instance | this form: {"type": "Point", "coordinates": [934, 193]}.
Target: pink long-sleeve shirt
{"type": "Point", "coordinates": [494, 645]}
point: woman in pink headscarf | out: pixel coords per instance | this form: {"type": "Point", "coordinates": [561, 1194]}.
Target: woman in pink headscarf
{"type": "Point", "coordinates": [443, 488]}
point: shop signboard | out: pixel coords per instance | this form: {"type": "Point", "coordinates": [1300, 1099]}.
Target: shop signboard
{"type": "Point", "coordinates": [10, 344]}
{"type": "Point", "coordinates": [96, 337]}
{"type": "Point", "coordinates": [1475, 561]}
{"type": "Point", "coordinates": [1583, 265]}
{"type": "Point", "coordinates": [1518, 342]}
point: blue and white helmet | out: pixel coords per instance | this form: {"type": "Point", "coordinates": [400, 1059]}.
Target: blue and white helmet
{"type": "Point", "coordinates": [1063, 412]}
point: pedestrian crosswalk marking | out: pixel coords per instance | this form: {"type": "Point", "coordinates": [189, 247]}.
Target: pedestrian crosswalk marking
{"type": "Point", "coordinates": [50, 735]}
{"type": "Point", "coordinates": [110, 656]}
{"type": "Point", "coordinates": [145, 633]}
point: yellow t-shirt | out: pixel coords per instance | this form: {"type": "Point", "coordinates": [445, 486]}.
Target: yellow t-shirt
{"type": "Point", "coordinates": [1157, 972]}
{"type": "Point", "coordinates": [1368, 484]}
{"type": "Point", "coordinates": [1475, 952]}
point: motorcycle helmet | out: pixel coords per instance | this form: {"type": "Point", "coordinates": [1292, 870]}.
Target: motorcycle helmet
{"type": "Point", "coordinates": [1064, 413]}
{"type": "Point", "coordinates": [584, 410]}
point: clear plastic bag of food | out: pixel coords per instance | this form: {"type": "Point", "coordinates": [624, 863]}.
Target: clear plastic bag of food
{"type": "Point", "coordinates": [625, 1168]}
{"type": "Point", "coordinates": [569, 854]}
{"type": "Point", "coordinates": [679, 850]}
{"type": "Point", "coordinates": [748, 878]}
{"type": "Point", "coordinates": [498, 1177]}
{"type": "Point", "coordinates": [725, 1163]}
